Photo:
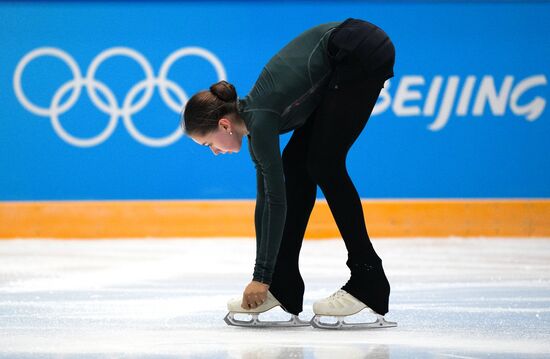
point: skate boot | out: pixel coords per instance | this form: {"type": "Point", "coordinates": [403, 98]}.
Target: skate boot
{"type": "Point", "coordinates": [340, 305]}
{"type": "Point", "coordinates": [234, 307]}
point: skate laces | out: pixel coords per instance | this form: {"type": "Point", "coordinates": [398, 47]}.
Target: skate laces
{"type": "Point", "coordinates": [337, 294]}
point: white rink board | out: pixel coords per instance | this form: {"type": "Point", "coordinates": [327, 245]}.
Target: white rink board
{"type": "Point", "coordinates": [452, 298]}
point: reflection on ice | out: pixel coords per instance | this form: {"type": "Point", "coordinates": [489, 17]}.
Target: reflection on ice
{"type": "Point", "coordinates": [374, 351]}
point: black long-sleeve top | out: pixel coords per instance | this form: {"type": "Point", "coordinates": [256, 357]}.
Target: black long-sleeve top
{"type": "Point", "coordinates": [284, 95]}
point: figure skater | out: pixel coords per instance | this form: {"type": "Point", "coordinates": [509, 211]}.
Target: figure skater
{"type": "Point", "coordinates": [322, 85]}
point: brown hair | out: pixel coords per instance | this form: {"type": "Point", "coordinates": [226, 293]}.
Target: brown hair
{"type": "Point", "coordinates": [204, 109]}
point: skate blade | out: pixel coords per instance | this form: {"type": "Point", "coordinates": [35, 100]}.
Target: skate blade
{"type": "Point", "coordinates": [294, 321]}
{"type": "Point", "coordinates": [380, 322]}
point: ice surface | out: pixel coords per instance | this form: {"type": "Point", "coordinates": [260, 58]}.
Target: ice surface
{"type": "Point", "coordinates": [452, 298]}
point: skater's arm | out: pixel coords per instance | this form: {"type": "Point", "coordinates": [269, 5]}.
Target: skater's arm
{"type": "Point", "coordinates": [260, 198]}
{"type": "Point", "coordinates": [264, 142]}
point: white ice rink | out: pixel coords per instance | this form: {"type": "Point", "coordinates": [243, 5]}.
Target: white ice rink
{"type": "Point", "coordinates": [452, 298]}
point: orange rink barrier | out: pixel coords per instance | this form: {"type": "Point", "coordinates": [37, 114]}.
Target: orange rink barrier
{"type": "Point", "coordinates": [235, 218]}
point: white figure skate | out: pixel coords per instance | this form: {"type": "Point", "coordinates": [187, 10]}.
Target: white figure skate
{"type": "Point", "coordinates": [234, 307]}
{"type": "Point", "coordinates": [340, 305]}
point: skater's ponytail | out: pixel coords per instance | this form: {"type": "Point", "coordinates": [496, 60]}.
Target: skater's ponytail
{"type": "Point", "coordinates": [204, 109]}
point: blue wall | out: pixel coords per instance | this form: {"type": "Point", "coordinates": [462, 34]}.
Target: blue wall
{"type": "Point", "coordinates": [58, 144]}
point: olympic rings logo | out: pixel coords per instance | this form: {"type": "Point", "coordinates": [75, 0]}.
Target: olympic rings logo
{"type": "Point", "coordinates": [112, 106]}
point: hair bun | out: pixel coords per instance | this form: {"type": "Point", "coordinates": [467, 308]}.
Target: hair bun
{"type": "Point", "coordinates": [224, 91]}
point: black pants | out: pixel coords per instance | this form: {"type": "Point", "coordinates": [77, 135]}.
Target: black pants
{"type": "Point", "coordinates": [316, 156]}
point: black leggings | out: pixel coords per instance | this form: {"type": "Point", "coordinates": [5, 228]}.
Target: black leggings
{"type": "Point", "coordinates": [316, 156]}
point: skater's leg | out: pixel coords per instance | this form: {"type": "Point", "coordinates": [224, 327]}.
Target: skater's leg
{"type": "Point", "coordinates": [340, 120]}
{"type": "Point", "coordinates": [341, 117]}
{"type": "Point", "coordinates": [287, 284]}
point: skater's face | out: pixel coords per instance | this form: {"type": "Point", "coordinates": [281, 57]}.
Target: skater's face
{"type": "Point", "coordinates": [225, 139]}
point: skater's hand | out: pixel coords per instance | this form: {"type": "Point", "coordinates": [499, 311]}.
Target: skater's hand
{"type": "Point", "coordinates": [254, 295]}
